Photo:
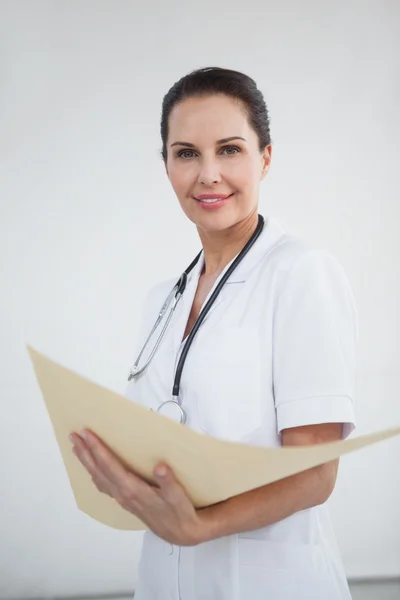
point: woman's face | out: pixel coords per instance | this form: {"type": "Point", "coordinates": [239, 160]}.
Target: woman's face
{"type": "Point", "coordinates": [199, 164]}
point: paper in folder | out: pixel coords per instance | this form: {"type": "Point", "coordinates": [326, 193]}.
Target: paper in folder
{"type": "Point", "coordinates": [211, 470]}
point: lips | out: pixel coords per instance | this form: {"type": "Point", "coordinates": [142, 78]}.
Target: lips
{"type": "Point", "coordinates": [212, 197]}
{"type": "Point", "coordinates": [212, 202]}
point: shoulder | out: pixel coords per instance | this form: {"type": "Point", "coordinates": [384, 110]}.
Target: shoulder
{"type": "Point", "coordinates": [290, 250]}
{"type": "Point", "coordinates": [294, 262]}
{"type": "Point", "coordinates": [310, 284]}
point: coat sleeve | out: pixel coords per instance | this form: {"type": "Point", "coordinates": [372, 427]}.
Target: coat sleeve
{"type": "Point", "coordinates": [314, 343]}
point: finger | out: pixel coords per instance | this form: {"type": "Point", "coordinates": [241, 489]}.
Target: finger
{"type": "Point", "coordinates": [104, 458]}
{"type": "Point", "coordinates": [170, 488]}
{"type": "Point", "coordinates": [104, 486]}
{"type": "Point", "coordinates": [84, 454]}
{"type": "Point", "coordinates": [127, 486]}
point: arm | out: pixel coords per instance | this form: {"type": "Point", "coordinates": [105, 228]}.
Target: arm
{"type": "Point", "coordinates": [271, 503]}
{"type": "Point", "coordinates": [168, 511]}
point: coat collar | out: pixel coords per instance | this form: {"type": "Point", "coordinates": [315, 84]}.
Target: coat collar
{"type": "Point", "coordinates": [270, 235]}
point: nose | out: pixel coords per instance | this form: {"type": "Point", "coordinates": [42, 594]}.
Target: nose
{"type": "Point", "coordinates": [209, 172]}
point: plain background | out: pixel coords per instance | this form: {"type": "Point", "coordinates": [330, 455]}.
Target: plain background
{"type": "Point", "coordinates": [89, 222]}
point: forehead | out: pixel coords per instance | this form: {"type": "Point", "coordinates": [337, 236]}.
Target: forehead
{"type": "Point", "coordinates": [214, 117]}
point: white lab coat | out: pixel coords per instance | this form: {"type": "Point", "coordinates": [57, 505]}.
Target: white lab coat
{"type": "Point", "coordinates": [275, 351]}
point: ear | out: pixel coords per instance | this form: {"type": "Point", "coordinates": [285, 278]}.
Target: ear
{"type": "Point", "coordinates": [266, 160]}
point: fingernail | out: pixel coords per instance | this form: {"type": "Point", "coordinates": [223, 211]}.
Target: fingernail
{"type": "Point", "coordinates": [84, 434]}
{"type": "Point", "coordinates": [161, 471]}
{"type": "Point", "coordinates": [71, 439]}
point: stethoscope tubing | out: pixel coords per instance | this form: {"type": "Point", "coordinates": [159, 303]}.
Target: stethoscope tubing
{"type": "Point", "coordinates": [210, 302]}
{"type": "Point", "coordinates": [178, 290]}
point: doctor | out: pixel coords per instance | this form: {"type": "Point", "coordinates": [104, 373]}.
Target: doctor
{"type": "Point", "coordinates": [272, 363]}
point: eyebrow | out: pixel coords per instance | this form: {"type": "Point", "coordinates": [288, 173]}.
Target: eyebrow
{"type": "Point", "coordinates": [218, 142]}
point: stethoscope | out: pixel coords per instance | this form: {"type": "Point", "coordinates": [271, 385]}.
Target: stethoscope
{"type": "Point", "coordinates": [172, 408]}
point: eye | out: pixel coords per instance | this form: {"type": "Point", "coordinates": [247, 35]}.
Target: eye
{"type": "Point", "coordinates": [231, 148]}
{"type": "Point", "coordinates": [181, 153]}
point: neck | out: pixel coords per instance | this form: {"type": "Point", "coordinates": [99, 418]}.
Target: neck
{"type": "Point", "coordinates": [220, 247]}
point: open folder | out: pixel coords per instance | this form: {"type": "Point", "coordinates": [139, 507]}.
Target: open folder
{"type": "Point", "coordinates": [211, 470]}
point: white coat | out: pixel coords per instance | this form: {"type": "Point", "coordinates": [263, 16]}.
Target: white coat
{"type": "Point", "coordinates": [275, 351]}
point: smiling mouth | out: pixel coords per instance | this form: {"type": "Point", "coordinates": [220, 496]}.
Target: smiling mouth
{"type": "Point", "coordinates": [213, 200]}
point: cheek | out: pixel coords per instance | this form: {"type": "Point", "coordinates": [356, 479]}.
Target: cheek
{"type": "Point", "coordinates": [243, 180]}
{"type": "Point", "coordinates": [244, 174]}
{"type": "Point", "coordinates": [181, 180]}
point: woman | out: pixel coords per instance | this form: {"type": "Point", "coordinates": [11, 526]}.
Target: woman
{"type": "Point", "coordinates": [271, 364]}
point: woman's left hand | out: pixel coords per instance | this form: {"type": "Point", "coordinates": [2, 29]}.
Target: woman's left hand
{"type": "Point", "coordinates": [166, 509]}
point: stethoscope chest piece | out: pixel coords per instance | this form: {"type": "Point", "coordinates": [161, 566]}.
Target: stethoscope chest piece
{"type": "Point", "coordinates": [172, 410]}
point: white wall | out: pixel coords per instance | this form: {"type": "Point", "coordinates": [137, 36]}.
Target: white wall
{"type": "Point", "coordinates": [89, 222]}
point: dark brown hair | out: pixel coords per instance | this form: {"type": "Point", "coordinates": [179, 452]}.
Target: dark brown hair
{"type": "Point", "coordinates": [216, 80]}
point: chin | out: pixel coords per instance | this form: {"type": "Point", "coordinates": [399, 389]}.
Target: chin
{"type": "Point", "coordinates": [216, 222]}
{"type": "Point", "coordinates": [219, 219]}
